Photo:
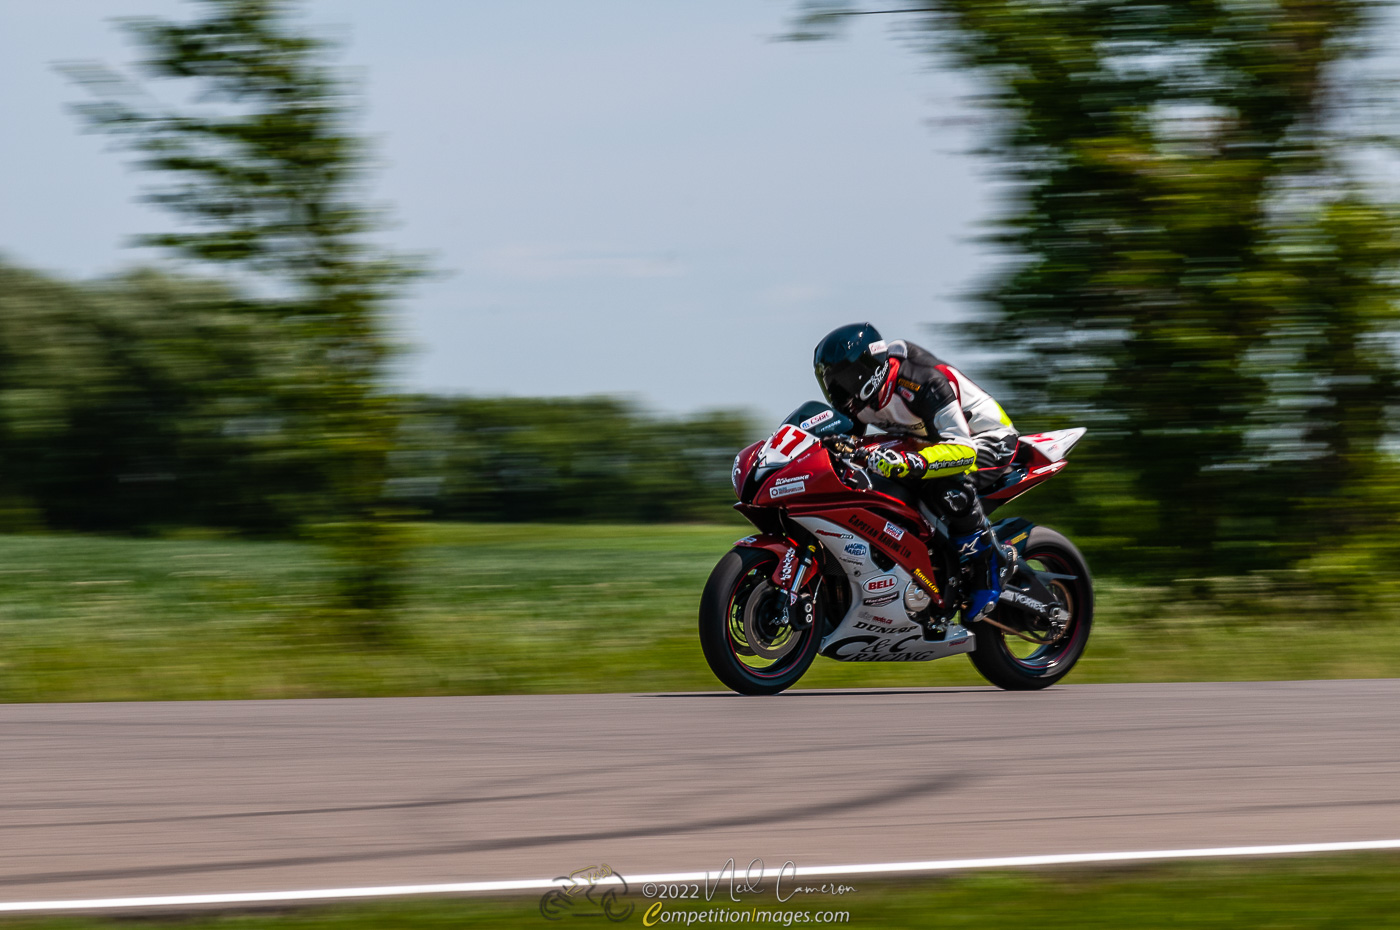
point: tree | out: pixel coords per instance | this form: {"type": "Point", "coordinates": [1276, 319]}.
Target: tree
{"type": "Point", "coordinates": [1201, 278]}
{"type": "Point", "coordinates": [264, 175]}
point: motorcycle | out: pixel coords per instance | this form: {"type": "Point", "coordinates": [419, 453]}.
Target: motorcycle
{"type": "Point", "coordinates": [855, 567]}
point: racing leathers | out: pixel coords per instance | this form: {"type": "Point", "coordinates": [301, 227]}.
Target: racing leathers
{"type": "Point", "coordinates": [970, 435]}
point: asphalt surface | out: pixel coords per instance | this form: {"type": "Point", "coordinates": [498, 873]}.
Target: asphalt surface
{"type": "Point", "coordinates": [134, 799]}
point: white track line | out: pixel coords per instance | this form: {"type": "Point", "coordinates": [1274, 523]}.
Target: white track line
{"type": "Point", "coordinates": [769, 872]}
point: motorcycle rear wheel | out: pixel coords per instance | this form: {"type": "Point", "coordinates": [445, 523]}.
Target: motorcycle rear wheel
{"type": "Point", "coordinates": [1010, 662]}
{"type": "Point", "coordinates": [742, 635]}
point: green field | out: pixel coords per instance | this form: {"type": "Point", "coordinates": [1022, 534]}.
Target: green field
{"type": "Point", "coordinates": [1340, 892]}
{"type": "Point", "coordinates": [500, 608]}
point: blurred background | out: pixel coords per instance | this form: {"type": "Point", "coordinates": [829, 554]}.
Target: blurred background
{"type": "Point", "coordinates": [349, 348]}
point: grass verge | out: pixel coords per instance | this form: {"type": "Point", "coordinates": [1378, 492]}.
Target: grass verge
{"type": "Point", "coordinates": [1314, 892]}
{"type": "Point", "coordinates": [509, 609]}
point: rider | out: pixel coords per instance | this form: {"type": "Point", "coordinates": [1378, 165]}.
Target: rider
{"type": "Point", "coordinates": [906, 390]}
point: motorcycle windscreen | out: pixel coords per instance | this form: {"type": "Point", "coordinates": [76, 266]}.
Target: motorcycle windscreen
{"type": "Point", "coordinates": [820, 420]}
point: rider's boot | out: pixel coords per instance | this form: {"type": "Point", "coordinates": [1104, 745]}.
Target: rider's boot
{"type": "Point", "coordinates": [985, 565]}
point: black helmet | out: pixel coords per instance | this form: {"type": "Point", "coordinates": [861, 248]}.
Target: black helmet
{"type": "Point", "coordinates": [851, 366]}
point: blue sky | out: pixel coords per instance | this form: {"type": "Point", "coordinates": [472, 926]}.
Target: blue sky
{"type": "Point", "coordinates": [623, 196]}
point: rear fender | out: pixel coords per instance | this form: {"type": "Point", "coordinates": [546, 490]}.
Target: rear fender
{"type": "Point", "coordinates": [789, 557]}
{"type": "Point", "coordinates": [1014, 532]}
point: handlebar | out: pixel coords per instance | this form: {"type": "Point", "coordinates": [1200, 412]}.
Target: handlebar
{"type": "Point", "coordinates": [847, 450]}
{"type": "Point", "coordinates": [843, 444]}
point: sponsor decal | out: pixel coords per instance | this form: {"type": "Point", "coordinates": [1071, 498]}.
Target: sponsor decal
{"type": "Point", "coordinates": [908, 385]}
{"type": "Point", "coordinates": [932, 585]}
{"type": "Point", "coordinates": [880, 629]}
{"type": "Point", "coordinates": [894, 531]}
{"type": "Point", "coordinates": [784, 490]}
{"type": "Point", "coordinates": [1016, 597]}
{"type": "Point", "coordinates": [1016, 539]}
{"type": "Point", "coordinates": [871, 531]}
{"type": "Point", "coordinates": [876, 649]}
{"type": "Point", "coordinates": [906, 394]}
{"type": "Point", "coordinates": [878, 346]}
{"type": "Point", "coordinates": [861, 550]}
{"type": "Point", "coordinates": [835, 535]}
{"type": "Point", "coordinates": [746, 540]}
{"type": "Point", "coordinates": [789, 563]}
{"type": "Point", "coordinates": [882, 600]}
{"type": "Point", "coordinates": [817, 420]}
{"type": "Point", "coordinates": [788, 478]}
{"type": "Point", "coordinates": [881, 583]}
{"type": "Point", "coordinates": [867, 390]}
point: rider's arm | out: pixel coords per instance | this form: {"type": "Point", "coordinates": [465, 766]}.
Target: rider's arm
{"type": "Point", "coordinates": [936, 402]}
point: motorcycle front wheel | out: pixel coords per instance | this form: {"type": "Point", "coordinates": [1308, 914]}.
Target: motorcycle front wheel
{"type": "Point", "coordinates": [742, 632]}
{"type": "Point", "coordinates": [1010, 662]}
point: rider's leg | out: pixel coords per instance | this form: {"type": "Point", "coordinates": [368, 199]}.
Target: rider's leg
{"type": "Point", "coordinates": [995, 450]}
{"type": "Point", "coordinates": [956, 500]}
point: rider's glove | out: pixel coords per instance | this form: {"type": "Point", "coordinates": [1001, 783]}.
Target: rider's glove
{"type": "Point", "coordinates": [894, 464]}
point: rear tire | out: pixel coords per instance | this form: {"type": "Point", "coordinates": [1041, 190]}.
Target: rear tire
{"type": "Point", "coordinates": [1042, 666]}
{"type": "Point", "coordinates": [739, 602]}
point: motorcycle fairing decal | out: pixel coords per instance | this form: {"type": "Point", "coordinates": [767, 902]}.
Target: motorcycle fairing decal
{"type": "Point", "coordinates": [1035, 477]}
{"type": "Point", "coordinates": [785, 445]}
{"type": "Point", "coordinates": [877, 626]}
{"type": "Point", "coordinates": [1014, 532]}
{"type": "Point", "coordinates": [908, 551]}
{"type": "Point", "coordinates": [1055, 445]}
{"type": "Point", "coordinates": [895, 648]}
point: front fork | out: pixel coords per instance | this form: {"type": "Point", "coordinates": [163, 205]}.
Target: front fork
{"type": "Point", "coordinates": [796, 576]}
{"type": "Point", "coordinates": [793, 593]}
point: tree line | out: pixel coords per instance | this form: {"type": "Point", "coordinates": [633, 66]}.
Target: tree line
{"type": "Point", "coordinates": [125, 406]}
{"type": "Point", "coordinates": [1202, 271]}
{"type": "Point", "coordinates": [1202, 265]}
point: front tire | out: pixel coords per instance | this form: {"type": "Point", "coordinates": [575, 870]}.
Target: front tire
{"type": "Point", "coordinates": [1011, 663]}
{"type": "Point", "coordinates": [742, 635]}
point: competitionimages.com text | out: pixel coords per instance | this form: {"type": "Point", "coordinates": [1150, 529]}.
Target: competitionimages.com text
{"type": "Point", "coordinates": [659, 913]}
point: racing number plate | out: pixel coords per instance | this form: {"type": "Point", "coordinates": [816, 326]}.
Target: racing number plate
{"type": "Point", "coordinates": [785, 445]}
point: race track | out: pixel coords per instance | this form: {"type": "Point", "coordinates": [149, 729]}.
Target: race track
{"type": "Point", "coordinates": [101, 800]}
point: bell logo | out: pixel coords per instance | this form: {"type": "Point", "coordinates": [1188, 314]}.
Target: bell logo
{"type": "Point", "coordinates": [882, 583]}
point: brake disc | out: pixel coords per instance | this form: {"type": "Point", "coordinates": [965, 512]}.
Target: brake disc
{"type": "Point", "coordinates": [763, 599]}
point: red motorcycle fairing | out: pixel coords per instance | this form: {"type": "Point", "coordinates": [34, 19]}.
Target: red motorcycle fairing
{"type": "Point", "coordinates": [804, 482]}
{"type": "Point", "coordinates": [908, 548]}
{"type": "Point", "coordinates": [1038, 457]}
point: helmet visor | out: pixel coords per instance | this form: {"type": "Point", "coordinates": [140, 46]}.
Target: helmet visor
{"type": "Point", "coordinates": [848, 386]}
